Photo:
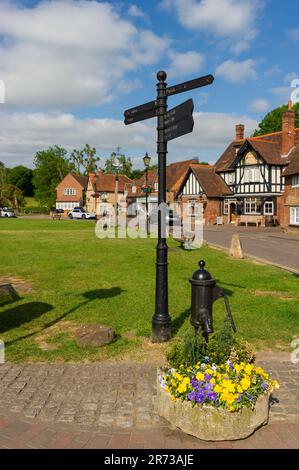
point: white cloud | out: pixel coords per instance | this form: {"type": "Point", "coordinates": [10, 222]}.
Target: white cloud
{"type": "Point", "coordinates": [185, 63]}
{"type": "Point", "coordinates": [23, 134]}
{"type": "Point", "coordinates": [237, 71]}
{"type": "Point", "coordinates": [70, 53]}
{"type": "Point", "coordinates": [136, 12]}
{"type": "Point", "coordinates": [284, 92]}
{"type": "Point", "coordinates": [229, 19]}
{"type": "Point", "coordinates": [260, 106]}
{"type": "Point", "coordinates": [294, 34]}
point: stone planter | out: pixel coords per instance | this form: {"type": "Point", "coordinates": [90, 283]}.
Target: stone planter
{"type": "Point", "coordinates": [211, 424]}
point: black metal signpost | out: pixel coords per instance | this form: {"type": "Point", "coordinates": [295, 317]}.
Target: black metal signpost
{"type": "Point", "coordinates": [170, 125]}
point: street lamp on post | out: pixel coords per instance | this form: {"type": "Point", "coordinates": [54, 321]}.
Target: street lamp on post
{"type": "Point", "coordinates": [95, 180]}
{"type": "Point", "coordinates": [116, 165]}
{"type": "Point", "coordinates": [146, 161]}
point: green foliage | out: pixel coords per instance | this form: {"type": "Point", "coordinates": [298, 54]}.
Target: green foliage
{"type": "Point", "coordinates": [85, 160]}
{"type": "Point", "coordinates": [11, 196]}
{"type": "Point", "coordinates": [21, 177]}
{"type": "Point", "coordinates": [272, 122]}
{"type": "Point", "coordinates": [34, 210]}
{"type": "Point", "coordinates": [222, 346]}
{"type": "Point", "coordinates": [52, 166]}
{"type": "Point", "coordinates": [125, 165]}
{"type": "Point", "coordinates": [136, 174]}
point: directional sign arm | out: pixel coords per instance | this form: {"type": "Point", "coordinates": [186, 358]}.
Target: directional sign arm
{"type": "Point", "coordinates": [179, 128]}
{"type": "Point", "coordinates": [143, 108]}
{"type": "Point", "coordinates": [186, 86]}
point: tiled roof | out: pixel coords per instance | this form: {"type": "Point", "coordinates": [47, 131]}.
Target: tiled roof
{"type": "Point", "coordinates": [268, 146]}
{"type": "Point", "coordinates": [293, 167]}
{"type": "Point", "coordinates": [106, 182]}
{"type": "Point", "coordinates": [212, 184]}
{"type": "Point", "coordinates": [175, 173]}
{"type": "Point", "coordinates": [83, 180]}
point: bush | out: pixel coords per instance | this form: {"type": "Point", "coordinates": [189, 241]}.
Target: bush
{"type": "Point", "coordinates": [34, 210]}
{"type": "Point", "coordinates": [222, 346]}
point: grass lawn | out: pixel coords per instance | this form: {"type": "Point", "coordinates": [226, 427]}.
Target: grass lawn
{"type": "Point", "coordinates": [66, 277]}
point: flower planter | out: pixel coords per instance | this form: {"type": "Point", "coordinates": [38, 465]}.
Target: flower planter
{"type": "Point", "coordinates": [212, 424]}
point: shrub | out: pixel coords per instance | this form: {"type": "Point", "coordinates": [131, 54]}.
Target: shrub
{"type": "Point", "coordinates": [222, 346]}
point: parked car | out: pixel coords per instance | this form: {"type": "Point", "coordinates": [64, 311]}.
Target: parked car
{"type": "Point", "coordinates": [5, 212]}
{"type": "Point", "coordinates": [80, 213]}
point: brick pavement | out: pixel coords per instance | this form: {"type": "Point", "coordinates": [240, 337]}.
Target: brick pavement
{"type": "Point", "coordinates": [113, 406]}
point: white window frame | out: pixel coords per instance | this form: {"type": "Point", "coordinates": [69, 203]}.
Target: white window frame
{"type": "Point", "coordinates": [295, 181]}
{"type": "Point", "coordinates": [269, 208]}
{"type": "Point", "coordinates": [294, 215]}
{"type": "Point", "coordinates": [253, 203]}
{"type": "Point", "coordinates": [252, 175]}
{"type": "Point", "coordinates": [70, 191]}
{"type": "Point", "coordinates": [156, 186]}
{"type": "Point", "coordinates": [231, 178]}
{"type": "Point", "coordinates": [226, 206]}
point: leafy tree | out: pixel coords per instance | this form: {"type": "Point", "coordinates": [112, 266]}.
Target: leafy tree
{"type": "Point", "coordinates": [21, 177]}
{"type": "Point", "coordinates": [136, 174]}
{"type": "Point", "coordinates": [85, 160]}
{"type": "Point", "coordinates": [125, 164]}
{"type": "Point", "coordinates": [272, 122]}
{"type": "Point", "coordinates": [52, 165]}
{"type": "Point", "coordinates": [11, 196]}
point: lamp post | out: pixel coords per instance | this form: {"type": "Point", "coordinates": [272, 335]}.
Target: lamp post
{"type": "Point", "coordinates": [116, 165]}
{"type": "Point", "coordinates": [146, 161]}
{"type": "Point", "coordinates": [95, 180]}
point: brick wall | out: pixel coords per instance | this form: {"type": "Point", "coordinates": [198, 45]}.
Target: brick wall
{"type": "Point", "coordinates": [69, 182]}
{"type": "Point", "coordinates": [212, 208]}
{"type": "Point", "coordinates": [291, 199]}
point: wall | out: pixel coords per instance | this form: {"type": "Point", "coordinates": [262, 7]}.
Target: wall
{"type": "Point", "coordinates": [291, 198]}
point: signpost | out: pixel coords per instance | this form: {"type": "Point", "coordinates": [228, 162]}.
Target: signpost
{"type": "Point", "coordinates": [170, 125]}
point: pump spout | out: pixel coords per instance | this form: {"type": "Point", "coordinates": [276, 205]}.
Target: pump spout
{"type": "Point", "coordinates": [206, 322]}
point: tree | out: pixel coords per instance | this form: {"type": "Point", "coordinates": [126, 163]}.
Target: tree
{"type": "Point", "coordinates": [11, 196]}
{"type": "Point", "coordinates": [21, 177]}
{"type": "Point", "coordinates": [85, 159]}
{"type": "Point", "coordinates": [125, 164]}
{"type": "Point", "coordinates": [136, 174]}
{"type": "Point", "coordinates": [52, 165]}
{"type": "Point", "coordinates": [272, 122]}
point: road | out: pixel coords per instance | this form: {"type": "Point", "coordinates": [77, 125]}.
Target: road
{"type": "Point", "coordinates": [268, 244]}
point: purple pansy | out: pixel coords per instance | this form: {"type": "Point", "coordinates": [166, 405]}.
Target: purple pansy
{"type": "Point", "coordinates": [191, 396]}
{"type": "Point", "coordinates": [208, 377]}
{"type": "Point", "coordinates": [212, 396]}
{"type": "Point", "coordinates": [264, 386]}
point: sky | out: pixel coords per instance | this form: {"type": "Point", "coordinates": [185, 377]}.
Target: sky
{"type": "Point", "coordinates": [71, 67]}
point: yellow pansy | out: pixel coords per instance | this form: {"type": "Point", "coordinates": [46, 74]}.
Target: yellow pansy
{"type": "Point", "coordinates": [275, 385]}
{"type": "Point", "coordinates": [209, 371]}
{"type": "Point", "coordinates": [245, 384]}
{"type": "Point", "coordinates": [186, 380]}
{"type": "Point", "coordinates": [248, 369]}
{"type": "Point", "coordinates": [237, 368]}
{"type": "Point", "coordinates": [230, 398]}
{"type": "Point", "coordinates": [213, 381]}
{"type": "Point", "coordinates": [173, 398]}
{"type": "Point", "coordinates": [200, 376]}
{"type": "Point", "coordinates": [218, 389]}
{"type": "Point", "coordinates": [240, 389]}
{"type": "Point", "coordinates": [182, 388]}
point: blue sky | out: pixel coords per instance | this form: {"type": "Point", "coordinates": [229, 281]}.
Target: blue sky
{"type": "Point", "coordinates": [71, 67]}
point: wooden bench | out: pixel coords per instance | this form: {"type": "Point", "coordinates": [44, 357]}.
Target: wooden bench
{"type": "Point", "coordinates": [251, 219]}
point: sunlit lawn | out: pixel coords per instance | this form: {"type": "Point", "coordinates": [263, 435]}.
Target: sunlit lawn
{"type": "Point", "coordinates": [76, 278]}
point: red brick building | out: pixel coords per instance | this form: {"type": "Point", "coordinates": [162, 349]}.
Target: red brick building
{"type": "Point", "coordinates": [71, 192]}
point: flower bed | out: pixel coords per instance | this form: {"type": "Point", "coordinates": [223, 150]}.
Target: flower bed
{"type": "Point", "coordinates": [216, 402]}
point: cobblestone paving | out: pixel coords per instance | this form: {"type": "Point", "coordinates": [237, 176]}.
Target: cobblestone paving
{"type": "Point", "coordinates": [114, 405]}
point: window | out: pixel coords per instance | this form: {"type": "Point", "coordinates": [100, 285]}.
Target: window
{"type": "Point", "coordinates": [253, 206]}
{"type": "Point", "coordinates": [294, 216]}
{"type": "Point", "coordinates": [156, 186]}
{"type": "Point", "coordinates": [252, 175]}
{"type": "Point", "coordinates": [70, 192]}
{"type": "Point", "coordinates": [231, 178]}
{"type": "Point", "coordinates": [269, 208]}
{"type": "Point", "coordinates": [225, 206]}
{"type": "Point", "coordinates": [295, 181]}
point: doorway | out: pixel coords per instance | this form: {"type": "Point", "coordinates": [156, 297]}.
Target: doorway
{"type": "Point", "coordinates": [233, 212]}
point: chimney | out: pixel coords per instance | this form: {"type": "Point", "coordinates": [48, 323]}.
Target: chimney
{"type": "Point", "coordinates": [240, 130]}
{"type": "Point", "coordinates": [288, 130]}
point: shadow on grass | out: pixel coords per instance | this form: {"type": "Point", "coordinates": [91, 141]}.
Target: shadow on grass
{"type": "Point", "coordinates": [8, 295]}
{"type": "Point", "coordinates": [90, 296]}
{"type": "Point", "coordinates": [180, 320]}
{"type": "Point", "coordinates": [17, 316]}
